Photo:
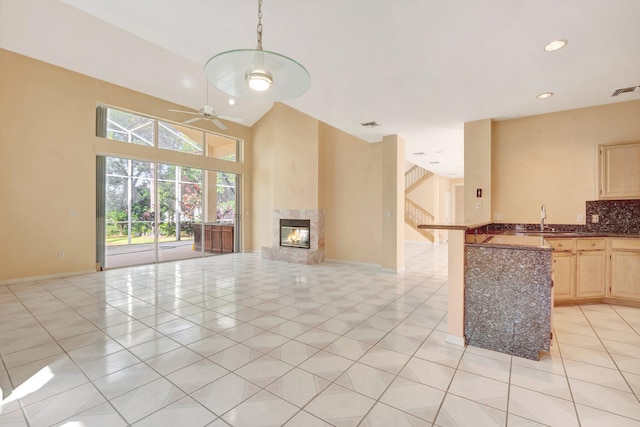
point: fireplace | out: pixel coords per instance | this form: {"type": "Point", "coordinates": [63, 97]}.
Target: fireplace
{"type": "Point", "coordinates": [295, 233]}
{"type": "Point", "coordinates": [306, 244]}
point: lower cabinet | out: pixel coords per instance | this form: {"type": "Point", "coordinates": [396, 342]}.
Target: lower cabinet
{"type": "Point", "coordinates": [218, 238]}
{"type": "Point", "coordinates": [591, 268]}
{"type": "Point", "coordinates": [579, 268]}
{"type": "Point", "coordinates": [591, 274]}
{"type": "Point", "coordinates": [563, 270]}
{"type": "Point", "coordinates": [564, 275]}
{"type": "Point", "coordinates": [625, 269]}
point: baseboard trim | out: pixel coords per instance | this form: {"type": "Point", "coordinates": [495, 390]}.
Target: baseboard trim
{"type": "Point", "coordinates": [393, 270]}
{"type": "Point", "coordinates": [453, 339]}
{"type": "Point", "coordinates": [45, 277]}
{"type": "Point", "coordinates": [354, 263]}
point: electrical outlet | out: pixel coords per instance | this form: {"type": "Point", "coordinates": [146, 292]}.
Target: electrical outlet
{"type": "Point", "coordinates": [497, 216]}
{"type": "Point", "coordinates": [580, 218]}
{"type": "Point", "coordinates": [73, 213]}
{"type": "Point", "coordinates": [595, 219]}
{"type": "Point", "coordinates": [479, 205]}
{"type": "Point", "coordinates": [60, 254]}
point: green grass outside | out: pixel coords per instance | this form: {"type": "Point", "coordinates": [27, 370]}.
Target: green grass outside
{"type": "Point", "coordinates": [140, 240]}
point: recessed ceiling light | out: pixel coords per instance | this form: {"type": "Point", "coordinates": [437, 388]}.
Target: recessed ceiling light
{"type": "Point", "coordinates": [232, 101]}
{"type": "Point", "coordinates": [545, 95]}
{"type": "Point", "coordinates": [419, 153]}
{"type": "Point", "coordinates": [555, 45]}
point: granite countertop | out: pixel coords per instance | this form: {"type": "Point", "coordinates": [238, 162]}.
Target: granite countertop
{"type": "Point", "coordinates": [563, 234]}
{"type": "Point", "coordinates": [452, 226]}
{"type": "Point", "coordinates": [511, 242]}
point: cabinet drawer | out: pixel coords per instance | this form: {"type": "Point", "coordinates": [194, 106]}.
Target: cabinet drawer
{"type": "Point", "coordinates": [562, 244]}
{"type": "Point", "coordinates": [590, 244]}
{"type": "Point", "coordinates": [629, 244]}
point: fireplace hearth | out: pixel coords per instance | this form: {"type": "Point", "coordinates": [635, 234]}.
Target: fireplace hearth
{"type": "Point", "coordinates": [295, 233]}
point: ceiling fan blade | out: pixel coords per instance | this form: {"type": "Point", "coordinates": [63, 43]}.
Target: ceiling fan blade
{"type": "Point", "coordinates": [219, 124]}
{"type": "Point", "coordinates": [185, 112]}
{"type": "Point", "coordinates": [195, 119]}
{"type": "Point", "coordinates": [231, 119]}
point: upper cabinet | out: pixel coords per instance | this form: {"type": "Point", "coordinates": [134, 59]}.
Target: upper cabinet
{"type": "Point", "coordinates": [619, 171]}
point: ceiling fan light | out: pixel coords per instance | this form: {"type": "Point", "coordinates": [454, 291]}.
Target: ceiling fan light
{"type": "Point", "coordinates": [259, 80]}
{"type": "Point", "coordinates": [555, 45]}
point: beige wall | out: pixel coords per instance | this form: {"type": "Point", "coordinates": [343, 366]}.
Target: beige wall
{"type": "Point", "coordinates": [457, 192]}
{"type": "Point", "coordinates": [302, 163]}
{"type": "Point", "coordinates": [477, 171]}
{"type": "Point", "coordinates": [551, 159]}
{"type": "Point", "coordinates": [393, 158]}
{"type": "Point", "coordinates": [285, 168]}
{"type": "Point", "coordinates": [351, 196]}
{"type": "Point", "coordinates": [295, 160]}
{"type": "Point", "coordinates": [47, 163]}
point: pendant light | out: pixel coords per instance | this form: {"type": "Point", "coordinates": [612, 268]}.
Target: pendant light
{"type": "Point", "coordinates": [257, 74]}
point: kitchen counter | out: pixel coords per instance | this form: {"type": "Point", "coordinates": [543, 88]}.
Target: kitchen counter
{"type": "Point", "coordinates": [504, 259]}
{"type": "Point", "coordinates": [562, 234]}
{"type": "Point", "coordinates": [507, 294]}
{"type": "Point", "coordinates": [511, 241]}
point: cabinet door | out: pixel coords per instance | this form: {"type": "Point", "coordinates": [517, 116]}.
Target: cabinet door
{"type": "Point", "coordinates": [564, 277]}
{"type": "Point", "coordinates": [208, 238]}
{"type": "Point", "coordinates": [590, 276]}
{"type": "Point", "coordinates": [625, 274]}
{"type": "Point", "coordinates": [620, 171]}
{"type": "Point", "coordinates": [216, 239]}
{"type": "Point", "coordinates": [227, 239]}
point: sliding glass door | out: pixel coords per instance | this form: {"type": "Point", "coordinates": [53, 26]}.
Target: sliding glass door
{"type": "Point", "coordinates": [180, 206]}
{"type": "Point", "coordinates": [158, 212]}
{"type": "Point", "coordinates": [129, 215]}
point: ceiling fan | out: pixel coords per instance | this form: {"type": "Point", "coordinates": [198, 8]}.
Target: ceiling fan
{"type": "Point", "coordinates": [207, 113]}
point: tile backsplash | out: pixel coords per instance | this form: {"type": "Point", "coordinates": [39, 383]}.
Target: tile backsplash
{"type": "Point", "coordinates": [615, 216]}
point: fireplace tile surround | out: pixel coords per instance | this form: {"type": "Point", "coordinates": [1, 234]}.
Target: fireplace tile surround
{"type": "Point", "coordinates": [313, 255]}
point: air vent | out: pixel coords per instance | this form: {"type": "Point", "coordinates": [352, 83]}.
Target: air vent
{"type": "Point", "coordinates": [626, 90]}
{"type": "Point", "coordinates": [370, 124]}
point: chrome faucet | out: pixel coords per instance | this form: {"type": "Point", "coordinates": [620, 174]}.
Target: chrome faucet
{"type": "Point", "coordinates": [543, 215]}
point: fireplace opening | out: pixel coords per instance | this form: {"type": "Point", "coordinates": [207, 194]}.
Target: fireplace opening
{"type": "Point", "coordinates": [295, 233]}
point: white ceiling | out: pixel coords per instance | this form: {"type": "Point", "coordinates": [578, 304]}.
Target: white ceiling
{"type": "Point", "coordinates": [420, 68]}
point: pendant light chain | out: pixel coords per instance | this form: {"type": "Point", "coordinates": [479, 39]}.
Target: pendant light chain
{"type": "Point", "coordinates": [259, 25]}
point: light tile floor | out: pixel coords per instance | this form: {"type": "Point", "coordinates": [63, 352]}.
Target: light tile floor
{"type": "Point", "coordinates": [241, 341]}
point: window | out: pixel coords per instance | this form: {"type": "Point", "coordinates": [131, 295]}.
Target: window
{"type": "Point", "coordinates": [179, 138]}
{"type": "Point", "coordinates": [133, 128]}
{"type": "Point", "coordinates": [129, 127]}
{"type": "Point", "coordinates": [222, 147]}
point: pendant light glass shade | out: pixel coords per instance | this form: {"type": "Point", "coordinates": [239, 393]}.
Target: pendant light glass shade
{"type": "Point", "coordinates": [257, 74]}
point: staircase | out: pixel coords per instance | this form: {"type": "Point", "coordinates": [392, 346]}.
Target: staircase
{"type": "Point", "coordinates": [414, 214]}
{"type": "Point", "coordinates": [415, 176]}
